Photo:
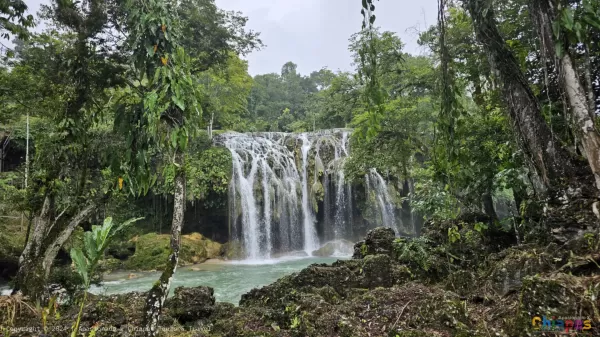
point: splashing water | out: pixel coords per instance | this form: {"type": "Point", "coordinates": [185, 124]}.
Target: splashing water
{"type": "Point", "coordinates": [280, 180]}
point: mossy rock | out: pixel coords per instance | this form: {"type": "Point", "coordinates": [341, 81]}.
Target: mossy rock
{"type": "Point", "coordinates": [507, 269]}
{"type": "Point", "coordinates": [233, 250]}
{"type": "Point", "coordinates": [152, 251]}
{"type": "Point", "coordinates": [378, 241]}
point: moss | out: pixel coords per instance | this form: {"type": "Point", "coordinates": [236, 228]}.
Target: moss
{"type": "Point", "coordinates": [152, 251]}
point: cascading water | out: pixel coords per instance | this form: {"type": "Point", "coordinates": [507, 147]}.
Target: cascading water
{"type": "Point", "coordinates": [310, 235]}
{"type": "Point", "coordinates": [288, 192]}
{"type": "Point", "coordinates": [378, 188]}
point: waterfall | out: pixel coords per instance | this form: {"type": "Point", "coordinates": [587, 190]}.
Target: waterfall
{"type": "Point", "coordinates": [310, 236]}
{"type": "Point", "coordinates": [378, 188]}
{"type": "Point", "coordinates": [288, 192]}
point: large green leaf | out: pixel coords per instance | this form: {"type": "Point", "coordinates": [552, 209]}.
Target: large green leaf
{"type": "Point", "coordinates": [81, 264]}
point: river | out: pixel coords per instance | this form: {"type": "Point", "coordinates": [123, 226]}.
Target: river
{"type": "Point", "coordinates": [229, 279]}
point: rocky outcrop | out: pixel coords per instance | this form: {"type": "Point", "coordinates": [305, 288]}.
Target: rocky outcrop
{"type": "Point", "coordinates": [191, 304]}
{"type": "Point", "coordinates": [378, 241]}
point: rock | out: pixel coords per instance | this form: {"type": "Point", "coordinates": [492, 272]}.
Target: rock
{"type": "Point", "coordinates": [191, 304]}
{"type": "Point", "coordinates": [509, 268]}
{"type": "Point", "coordinates": [377, 271]}
{"type": "Point", "coordinates": [122, 251]}
{"type": "Point", "coordinates": [232, 250]}
{"type": "Point", "coordinates": [338, 277]}
{"type": "Point", "coordinates": [152, 251]}
{"type": "Point", "coordinates": [378, 241]}
{"type": "Point", "coordinates": [337, 247]}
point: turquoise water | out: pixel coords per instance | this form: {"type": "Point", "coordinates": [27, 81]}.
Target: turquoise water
{"type": "Point", "coordinates": [229, 279]}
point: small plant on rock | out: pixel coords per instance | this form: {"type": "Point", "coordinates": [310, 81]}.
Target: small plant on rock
{"type": "Point", "coordinates": [414, 252]}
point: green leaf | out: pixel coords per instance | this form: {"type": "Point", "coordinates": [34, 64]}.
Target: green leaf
{"type": "Point", "coordinates": [592, 20]}
{"type": "Point", "coordinates": [150, 49]}
{"type": "Point", "coordinates": [81, 264]}
{"type": "Point", "coordinates": [178, 102]}
{"type": "Point", "coordinates": [568, 18]}
{"type": "Point", "coordinates": [372, 19]}
{"type": "Point", "coordinates": [89, 245]}
{"type": "Point", "coordinates": [559, 49]}
{"type": "Point", "coordinates": [174, 139]}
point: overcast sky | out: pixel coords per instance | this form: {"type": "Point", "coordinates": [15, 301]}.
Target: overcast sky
{"type": "Point", "coordinates": [314, 33]}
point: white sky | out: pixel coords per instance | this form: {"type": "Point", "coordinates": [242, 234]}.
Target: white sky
{"type": "Point", "coordinates": [314, 33]}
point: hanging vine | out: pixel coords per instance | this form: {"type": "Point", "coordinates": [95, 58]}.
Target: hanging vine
{"type": "Point", "coordinates": [374, 96]}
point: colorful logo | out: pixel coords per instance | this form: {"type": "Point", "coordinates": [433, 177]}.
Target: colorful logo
{"type": "Point", "coordinates": [561, 324]}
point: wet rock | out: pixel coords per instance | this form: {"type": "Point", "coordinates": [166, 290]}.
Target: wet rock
{"type": "Point", "coordinates": [378, 241]}
{"type": "Point", "coordinates": [340, 278]}
{"type": "Point", "coordinates": [232, 250]}
{"type": "Point", "coordinates": [337, 247]}
{"type": "Point", "coordinates": [190, 304]}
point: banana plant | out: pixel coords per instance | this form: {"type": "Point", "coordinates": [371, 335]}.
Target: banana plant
{"type": "Point", "coordinates": [95, 243]}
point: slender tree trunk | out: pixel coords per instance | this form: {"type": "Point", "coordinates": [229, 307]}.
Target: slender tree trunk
{"type": "Point", "coordinates": [552, 162]}
{"type": "Point", "coordinates": [589, 83]}
{"type": "Point", "coordinates": [544, 13]}
{"type": "Point", "coordinates": [159, 292]}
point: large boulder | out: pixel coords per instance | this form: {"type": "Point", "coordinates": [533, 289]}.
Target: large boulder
{"type": "Point", "coordinates": [152, 251]}
{"type": "Point", "coordinates": [191, 304]}
{"type": "Point", "coordinates": [378, 241]}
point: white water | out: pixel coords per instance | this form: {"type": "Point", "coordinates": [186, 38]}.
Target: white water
{"type": "Point", "coordinates": [274, 197]}
{"type": "Point", "coordinates": [311, 242]}
{"type": "Point", "coordinates": [378, 186]}
{"type": "Point", "coordinates": [5, 291]}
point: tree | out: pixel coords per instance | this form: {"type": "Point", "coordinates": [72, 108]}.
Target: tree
{"type": "Point", "coordinates": [73, 72]}
{"type": "Point", "coordinates": [224, 94]}
{"type": "Point", "coordinates": [165, 117]}
{"type": "Point", "coordinates": [13, 20]}
{"type": "Point", "coordinates": [551, 161]}
{"type": "Point", "coordinates": [546, 15]}
{"type": "Point", "coordinates": [211, 35]}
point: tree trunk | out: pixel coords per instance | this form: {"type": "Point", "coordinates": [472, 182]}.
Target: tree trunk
{"type": "Point", "coordinates": [551, 162]}
{"type": "Point", "coordinates": [37, 257]}
{"type": "Point", "coordinates": [65, 234]}
{"type": "Point", "coordinates": [590, 84]}
{"type": "Point", "coordinates": [159, 292]}
{"type": "Point", "coordinates": [544, 13]}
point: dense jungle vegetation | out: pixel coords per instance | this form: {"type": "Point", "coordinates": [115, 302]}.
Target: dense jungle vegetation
{"type": "Point", "coordinates": [107, 117]}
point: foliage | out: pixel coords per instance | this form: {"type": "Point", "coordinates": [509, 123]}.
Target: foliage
{"type": "Point", "coordinates": [213, 36]}
{"type": "Point", "coordinates": [86, 260]}
{"type": "Point", "coordinates": [13, 20]}
{"type": "Point", "coordinates": [209, 172]}
{"type": "Point", "coordinates": [416, 253]}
